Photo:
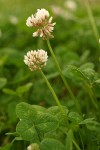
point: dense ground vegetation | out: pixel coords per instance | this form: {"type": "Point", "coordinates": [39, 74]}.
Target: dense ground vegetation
{"type": "Point", "coordinates": [77, 51]}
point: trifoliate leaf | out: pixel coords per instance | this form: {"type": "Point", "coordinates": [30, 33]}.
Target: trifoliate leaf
{"type": "Point", "coordinates": [39, 108]}
{"type": "Point", "coordinates": [62, 118]}
{"type": "Point", "coordinates": [51, 144]}
{"type": "Point", "coordinates": [26, 111]}
{"type": "Point", "coordinates": [55, 110]}
{"type": "Point", "coordinates": [32, 122]}
{"type": "Point", "coordinates": [26, 130]}
{"type": "Point", "coordinates": [75, 117]}
{"type": "Point", "coordinates": [86, 121]}
{"type": "Point", "coordinates": [45, 122]}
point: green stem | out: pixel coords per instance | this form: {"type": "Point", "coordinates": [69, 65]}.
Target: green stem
{"type": "Point", "coordinates": [81, 139]}
{"type": "Point", "coordinates": [92, 21]}
{"type": "Point", "coordinates": [52, 91]}
{"type": "Point", "coordinates": [93, 99]}
{"type": "Point", "coordinates": [78, 148]}
{"type": "Point", "coordinates": [62, 76]}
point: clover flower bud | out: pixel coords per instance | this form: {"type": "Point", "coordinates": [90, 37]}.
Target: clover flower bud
{"type": "Point", "coordinates": [36, 59]}
{"type": "Point", "coordinates": [42, 21]}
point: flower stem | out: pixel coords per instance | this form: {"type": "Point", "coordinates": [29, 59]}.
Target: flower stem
{"type": "Point", "coordinates": [92, 21]}
{"type": "Point", "coordinates": [52, 91]}
{"type": "Point", "coordinates": [62, 76]}
{"type": "Point", "coordinates": [91, 94]}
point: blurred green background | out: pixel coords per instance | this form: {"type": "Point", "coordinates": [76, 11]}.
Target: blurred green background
{"type": "Point", "coordinates": [74, 44]}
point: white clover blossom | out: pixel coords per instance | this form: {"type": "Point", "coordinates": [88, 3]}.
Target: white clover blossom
{"type": "Point", "coordinates": [33, 146]}
{"type": "Point", "coordinates": [36, 59]}
{"type": "Point", "coordinates": [43, 22]}
{"type": "Point", "coordinates": [29, 147]}
{"type": "Point", "coordinates": [59, 11]}
{"type": "Point", "coordinates": [71, 5]}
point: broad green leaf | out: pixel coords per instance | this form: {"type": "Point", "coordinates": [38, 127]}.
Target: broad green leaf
{"type": "Point", "coordinates": [75, 117]}
{"type": "Point", "coordinates": [18, 138]}
{"type": "Point", "coordinates": [22, 89]}
{"type": "Point", "coordinates": [97, 81]}
{"type": "Point", "coordinates": [86, 121]}
{"type": "Point", "coordinates": [84, 72]}
{"type": "Point", "coordinates": [62, 118]}
{"type": "Point", "coordinates": [45, 122]}
{"type": "Point", "coordinates": [84, 56]}
{"type": "Point", "coordinates": [55, 110]}
{"type": "Point", "coordinates": [89, 73]}
{"type": "Point", "coordinates": [91, 124]}
{"type": "Point", "coordinates": [3, 82]}
{"type": "Point", "coordinates": [51, 144]}
{"type": "Point", "coordinates": [33, 122]}
{"type": "Point", "coordinates": [26, 111]}
{"type": "Point", "coordinates": [75, 73]}
{"type": "Point", "coordinates": [87, 65]}
{"type": "Point", "coordinates": [12, 133]}
{"type": "Point", "coordinates": [39, 108]}
{"type": "Point", "coordinates": [26, 130]}
{"type": "Point", "coordinates": [6, 147]}
{"type": "Point", "coordinates": [88, 70]}
{"type": "Point", "coordinates": [10, 92]}
{"type": "Point", "coordinates": [69, 141]}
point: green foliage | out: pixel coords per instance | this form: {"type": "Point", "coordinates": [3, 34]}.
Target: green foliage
{"type": "Point", "coordinates": [32, 122]}
{"type": "Point", "coordinates": [51, 144]}
{"type": "Point", "coordinates": [75, 117]}
{"type": "Point", "coordinates": [69, 141]}
{"type": "Point", "coordinates": [26, 104]}
{"type": "Point", "coordinates": [3, 82]}
{"type": "Point", "coordinates": [6, 147]}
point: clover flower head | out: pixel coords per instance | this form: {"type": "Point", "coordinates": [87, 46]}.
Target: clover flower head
{"type": "Point", "coordinates": [71, 5]}
{"type": "Point", "coordinates": [43, 22]}
{"type": "Point", "coordinates": [29, 147]}
{"type": "Point", "coordinates": [33, 146]}
{"type": "Point", "coordinates": [36, 59]}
